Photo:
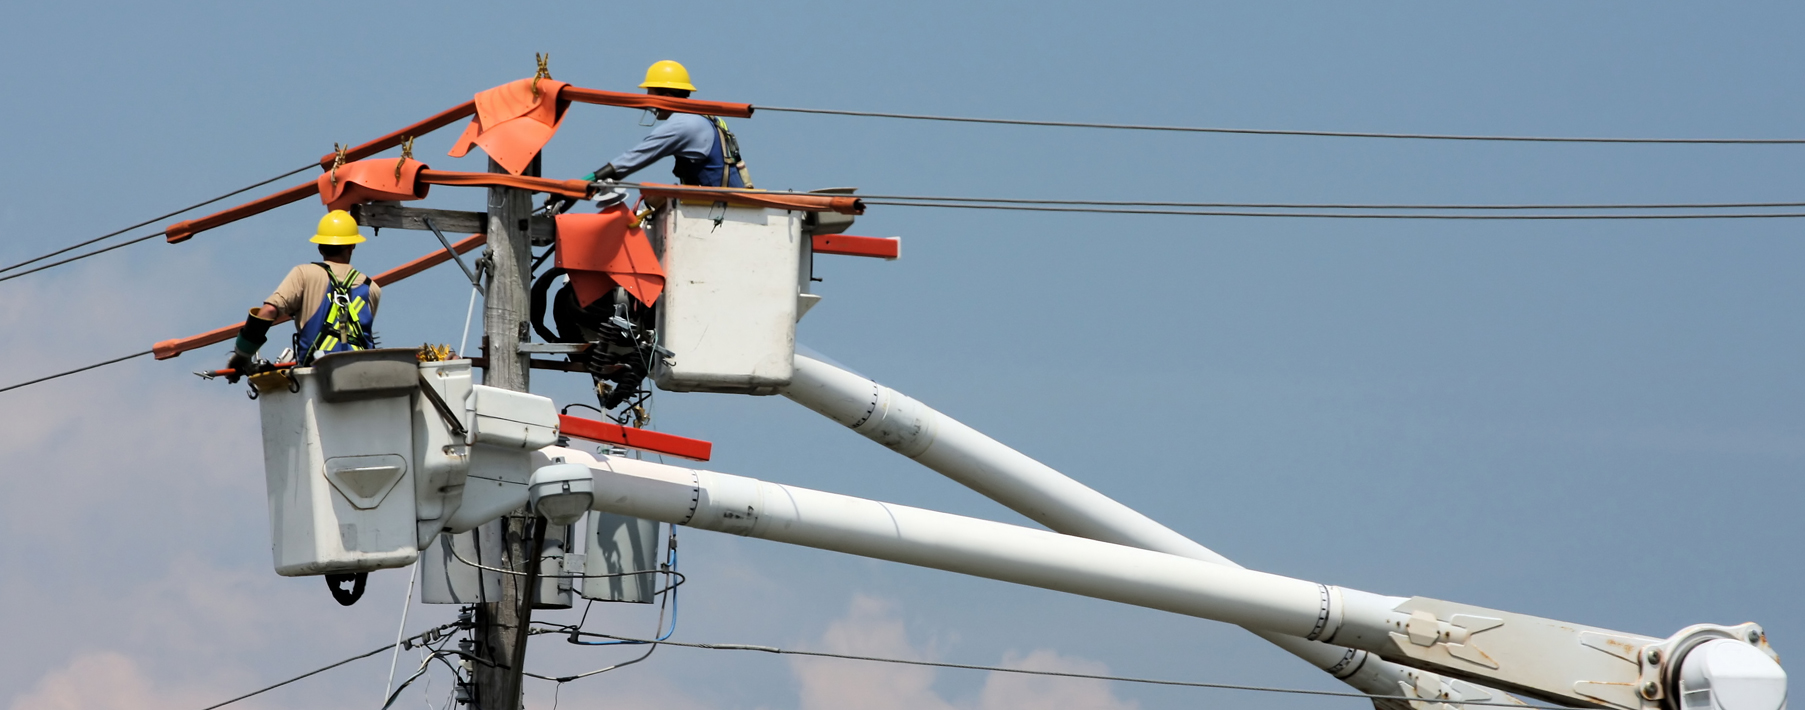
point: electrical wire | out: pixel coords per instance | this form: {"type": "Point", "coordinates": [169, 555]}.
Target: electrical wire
{"type": "Point", "coordinates": [407, 603]}
{"type": "Point", "coordinates": [71, 372]}
{"type": "Point", "coordinates": [1134, 207]}
{"type": "Point", "coordinates": [1346, 206]}
{"type": "Point", "coordinates": [1285, 132]}
{"type": "Point", "coordinates": [158, 218]}
{"type": "Point", "coordinates": [1082, 676]}
{"type": "Point", "coordinates": [79, 257]}
{"type": "Point", "coordinates": [1337, 215]}
{"type": "Point", "coordinates": [323, 669]}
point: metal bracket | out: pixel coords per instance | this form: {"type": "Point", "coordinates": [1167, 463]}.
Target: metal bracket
{"type": "Point", "coordinates": [476, 282]}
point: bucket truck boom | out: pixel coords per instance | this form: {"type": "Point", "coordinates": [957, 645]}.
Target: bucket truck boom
{"type": "Point", "coordinates": [1702, 666]}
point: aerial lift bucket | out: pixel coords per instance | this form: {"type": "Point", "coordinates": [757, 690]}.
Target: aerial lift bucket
{"type": "Point", "coordinates": [370, 454]}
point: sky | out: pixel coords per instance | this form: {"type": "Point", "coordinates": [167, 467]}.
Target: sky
{"type": "Point", "coordinates": [1598, 422]}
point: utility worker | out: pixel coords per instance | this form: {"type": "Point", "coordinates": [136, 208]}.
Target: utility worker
{"type": "Point", "coordinates": [706, 152]}
{"type": "Point", "coordinates": [333, 306]}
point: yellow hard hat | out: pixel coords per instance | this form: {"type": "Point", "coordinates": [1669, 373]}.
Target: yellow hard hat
{"type": "Point", "coordinates": [667, 74]}
{"type": "Point", "coordinates": [337, 227]}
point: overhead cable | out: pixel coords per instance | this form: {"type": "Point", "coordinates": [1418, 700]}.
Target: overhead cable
{"type": "Point", "coordinates": [1335, 215]}
{"type": "Point", "coordinates": [1349, 206]}
{"type": "Point", "coordinates": [84, 368]}
{"type": "Point", "coordinates": [1080, 676]}
{"type": "Point", "coordinates": [429, 632]}
{"type": "Point", "coordinates": [1137, 207]}
{"type": "Point", "coordinates": [1285, 132]}
{"type": "Point", "coordinates": [79, 257]}
{"type": "Point", "coordinates": [159, 218]}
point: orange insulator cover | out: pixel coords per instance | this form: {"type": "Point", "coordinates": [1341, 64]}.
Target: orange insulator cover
{"type": "Point", "coordinates": [601, 251]}
{"type": "Point", "coordinates": [435, 122]}
{"type": "Point", "coordinates": [573, 188]}
{"type": "Point", "coordinates": [183, 231]}
{"type": "Point", "coordinates": [513, 122]}
{"type": "Point", "coordinates": [376, 179]}
{"type": "Point", "coordinates": [668, 103]}
{"type": "Point", "coordinates": [799, 201]}
{"type": "Point", "coordinates": [176, 346]}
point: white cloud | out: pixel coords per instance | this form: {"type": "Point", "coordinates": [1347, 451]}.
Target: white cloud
{"type": "Point", "coordinates": [872, 628]}
{"type": "Point", "coordinates": [869, 629]}
{"type": "Point", "coordinates": [1008, 691]}
{"type": "Point", "coordinates": [109, 680]}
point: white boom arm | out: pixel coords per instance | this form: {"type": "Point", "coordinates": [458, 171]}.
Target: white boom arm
{"type": "Point", "coordinates": [1543, 658]}
{"type": "Point", "coordinates": [1064, 505]}
{"type": "Point", "coordinates": [1045, 495]}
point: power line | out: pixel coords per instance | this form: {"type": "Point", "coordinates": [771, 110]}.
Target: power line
{"type": "Point", "coordinates": [108, 235]}
{"type": "Point", "coordinates": [433, 632]}
{"type": "Point", "coordinates": [311, 673]}
{"type": "Point", "coordinates": [77, 257]}
{"type": "Point", "coordinates": [1081, 676]}
{"type": "Point", "coordinates": [1132, 207]}
{"type": "Point", "coordinates": [1337, 215]}
{"type": "Point", "coordinates": [71, 372]}
{"type": "Point", "coordinates": [1348, 206]}
{"type": "Point", "coordinates": [1282, 132]}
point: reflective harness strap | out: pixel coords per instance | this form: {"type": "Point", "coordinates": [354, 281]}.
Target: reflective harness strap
{"type": "Point", "coordinates": [730, 153]}
{"type": "Point", "coordinates": [343, 321]}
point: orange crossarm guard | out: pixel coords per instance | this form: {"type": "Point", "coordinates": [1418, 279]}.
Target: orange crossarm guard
{"type": "Point", "coordinates": [848, 245]}
{"type": "Point", "coordinates": [183, 231]}
{"type": "Point", "coordinates": [642, 439]}
{"type": "Point", "coordinates": [436, 122]}
{"type": "Point", "coordinates": [800, 201]}
{"type": "Point", "coordinates": [573, 188]}
{"type": "Point", "coordinates": [668, 103]}
{"type": "Point", "coordinates": [171, 348]}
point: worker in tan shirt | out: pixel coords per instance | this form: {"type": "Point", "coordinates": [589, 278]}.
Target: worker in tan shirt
{"type": "Point", "coordinates": [333, 306]}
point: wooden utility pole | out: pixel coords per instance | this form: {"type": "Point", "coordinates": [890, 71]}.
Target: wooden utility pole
{"type": "Point", "coordinates": [501, 625]}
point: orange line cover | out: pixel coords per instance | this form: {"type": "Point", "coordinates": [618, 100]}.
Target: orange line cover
{"type": "Point", "coordinates": [573, 188]}
{"type": "Point", "coordinates": [800, 201]}
{"type": "Point", "coordinates": [668, 103]}
{"type": "Point", "coordinates": [171, 348]}
{"type": "Point", "coordinates": [183, 231]}
{"type": "Point", "coordinates": [372, 180]}
{"type": "Point", "coordinates": [432, 123]}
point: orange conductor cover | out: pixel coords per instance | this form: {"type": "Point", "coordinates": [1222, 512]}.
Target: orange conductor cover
{"type": "Point", "coordinates": [513, 121]}
{"type": "Point", "coordinates": [372, 180]}
{"type": "Point", "coordinates": [601, 251]}
{"type": "Point", "coordinates": [799, 201]}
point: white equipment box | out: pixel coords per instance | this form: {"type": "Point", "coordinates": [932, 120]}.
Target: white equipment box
{"type": "Point", "coordinates": [731, 288]}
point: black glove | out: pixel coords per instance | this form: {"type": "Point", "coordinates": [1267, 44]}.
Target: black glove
{"type": "Point", "coordinates": [238, 365]}
{"type": "Point", "coordinates": [251, 336]}
{"type": "Point", "coordinates": [606, 172]}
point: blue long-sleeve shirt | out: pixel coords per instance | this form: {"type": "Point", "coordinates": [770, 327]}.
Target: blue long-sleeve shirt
{"type": "Point", "coordinates": [689, 137]}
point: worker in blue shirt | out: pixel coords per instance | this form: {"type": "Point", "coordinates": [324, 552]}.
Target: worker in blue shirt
{"type": "Point", "coordinates": [706, 152]}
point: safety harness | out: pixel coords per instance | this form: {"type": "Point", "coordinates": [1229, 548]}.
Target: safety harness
{"type": "Point", "coordinates": [730, 153]}
{"type": "Point", "coordinates": [342, 322]}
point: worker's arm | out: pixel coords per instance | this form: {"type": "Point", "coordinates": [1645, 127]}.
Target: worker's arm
{"type": "Point", "coordinates": [681, 133]}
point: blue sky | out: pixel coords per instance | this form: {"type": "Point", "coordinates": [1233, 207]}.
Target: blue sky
{"type": "Point", "coordinates": [1597, 422]}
